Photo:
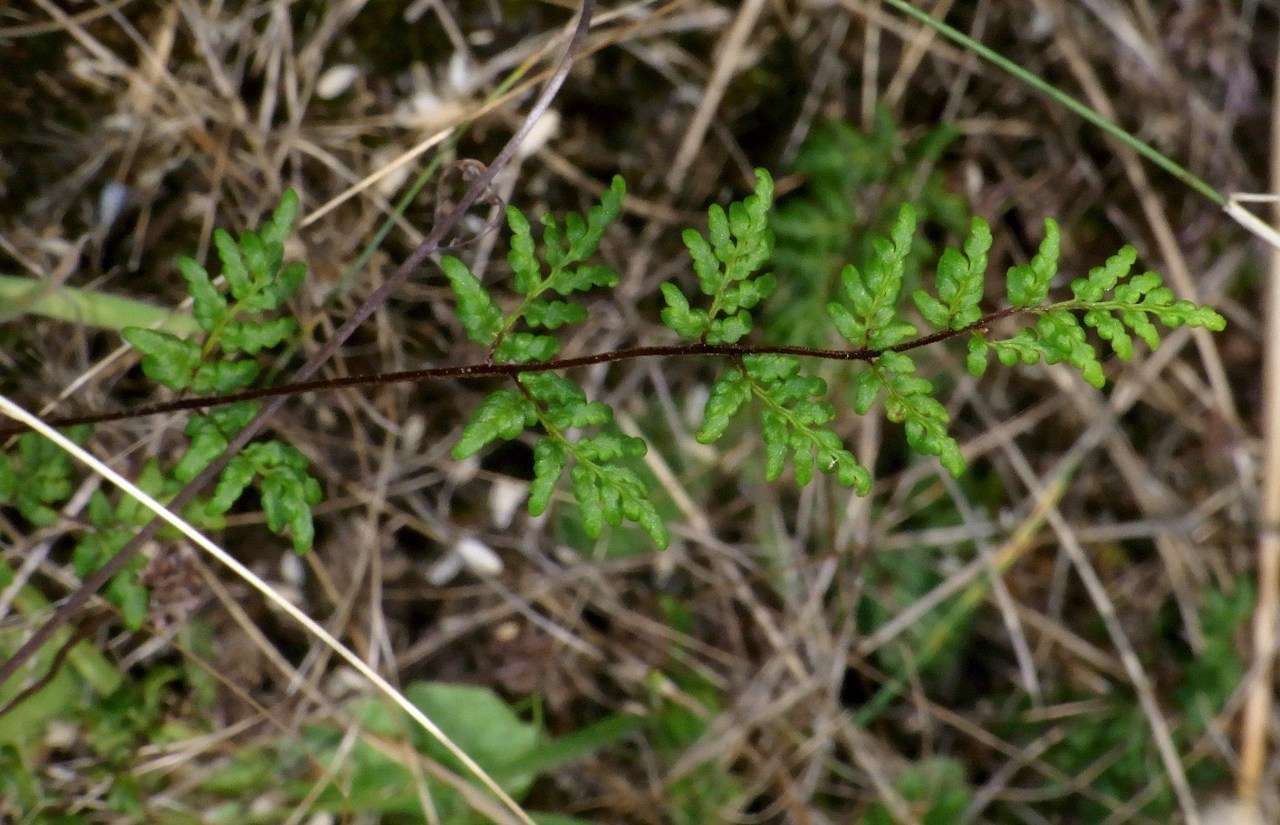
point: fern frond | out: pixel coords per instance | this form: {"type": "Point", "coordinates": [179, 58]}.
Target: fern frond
{"type": "Point", "coordinates": [737, 245]}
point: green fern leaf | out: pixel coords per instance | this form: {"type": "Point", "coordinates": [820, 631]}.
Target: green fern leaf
{"type": "Point", "coordinates": [553, 314]}
{"type": "Point", "coordinates": [909, 400]}
{"type": "Point", "coordinates": [738, 243]}
{"type": "Point", "coordinates": [166, 359]}
{"type": "Point", "coordinates": [504, 414]}
{"type": "Point", "coordinates": [480, 317]}
{"type": "Point", "coordinates": [207, 304]}
{"type": "Point", "coordinates": [961, 277]}
{"type": "Point", "coordinates": [1028, 284]}
{"type": "Point", "coordinates": [677, 315]}
{"type": "Point", "coordinates": [730, 393]}
{"type": "Point", "coordinates": [870, 320]}
{"type": "Point", "coordinates": [549, 460]}
{"type": "Point", "coordinates": [792, 423]}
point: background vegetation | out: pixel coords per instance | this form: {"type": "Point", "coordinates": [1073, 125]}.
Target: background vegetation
{"type": "Point", "coordinates": [934, 653]}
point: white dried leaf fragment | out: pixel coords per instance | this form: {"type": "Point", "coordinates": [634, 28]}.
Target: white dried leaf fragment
{"type": "Point", "coordinates": [459, 74]}
{"type": "Point", "coordinates": [111, 202]}
{"type": "Point", "coordinates": [444, 570]}
{"type": "Point", "coordinates": [478, 557]}
{"type": "Point", "coordinates": [505, 495]}
{"type": "Point", "coordinates": [1231, 812]}
{"type": "Point", "coordinates": [336, 81]}
{"type": "Point", "coordinates": [547, 127]}
{"type": "Point", "coordinates": [291, 569]}
{"type": "Point", "coordinates": [411, 432]}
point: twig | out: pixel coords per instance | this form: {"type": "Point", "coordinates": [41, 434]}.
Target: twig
{"type": "Point", "coordinates": [1255, 723]}
{"type": "Point", "coordinates": [488, 369]}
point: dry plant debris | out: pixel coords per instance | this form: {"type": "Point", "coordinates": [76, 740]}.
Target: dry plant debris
{"type": "Point", "coordinates": [1031, 642]}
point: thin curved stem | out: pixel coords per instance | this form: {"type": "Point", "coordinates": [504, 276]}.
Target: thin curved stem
{"type": "Point", "coordinates": [1057, 95]}
{"type": "Point", "coordinates": [491, 370]}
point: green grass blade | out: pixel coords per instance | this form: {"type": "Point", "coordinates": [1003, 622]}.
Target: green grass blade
{"type": "Point", "coordinates": [23, 296]}
{"type": "Point", "coordinates": [1080, 108]}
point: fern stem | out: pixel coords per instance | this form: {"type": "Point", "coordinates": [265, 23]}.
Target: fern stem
{"type": "Point", "coordinates": [1073, 104]}
{"type": "Point", "coordinates": [488, 369]}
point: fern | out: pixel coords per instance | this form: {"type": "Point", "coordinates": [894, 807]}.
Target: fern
{"type": "Point", "coordinates": [738, 244]}
{"type": "Point", "coordinates": [38, 478]}
{"type": "Point", "coordinates": [576, 436]}
{"type": "Point", "coordinates": [239, 321]}
{"type": "Point", "coordinates": [1108, 300]}
{"type": "Point", "coordinates": [606, 488]}
{"type": "Point", "coordinates": [794, 414]}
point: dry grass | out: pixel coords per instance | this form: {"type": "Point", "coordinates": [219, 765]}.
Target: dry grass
{"type": "Point", "coordinates": [1086, 540]}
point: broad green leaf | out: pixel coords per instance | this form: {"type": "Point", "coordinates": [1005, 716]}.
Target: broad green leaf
{"type": "Point", "coordinates": [477, 720]}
